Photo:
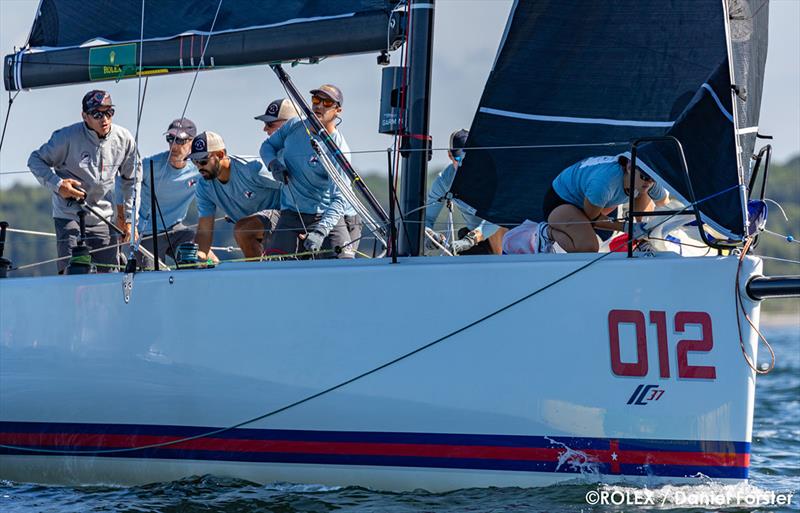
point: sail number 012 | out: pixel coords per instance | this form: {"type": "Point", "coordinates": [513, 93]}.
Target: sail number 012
{"type": "Point", "coordinates": [639, 368]}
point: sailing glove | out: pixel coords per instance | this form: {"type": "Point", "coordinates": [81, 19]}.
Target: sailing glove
{"type": "Point", "coordinates": [465, 243]}
{"type": "Point", "coordinates": [313, 241]}
{"type": "Point", "coordinates": [279, 171]}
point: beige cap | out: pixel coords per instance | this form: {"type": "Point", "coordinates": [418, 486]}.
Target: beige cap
{"type": "Point", "coordinates": [205, 143]}
{"type": "Point", "coordinates": [280, 109]}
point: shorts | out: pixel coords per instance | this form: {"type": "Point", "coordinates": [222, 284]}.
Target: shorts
{"type": "Point", "coordinates": [178, 234]}
{"type": "Point", "coordinates": [286, 237]}
{"type": "Point", "coordinates": [552, 201]}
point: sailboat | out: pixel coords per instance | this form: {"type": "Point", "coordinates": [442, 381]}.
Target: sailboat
{"type": "Point", "coordinates": [521, 370]}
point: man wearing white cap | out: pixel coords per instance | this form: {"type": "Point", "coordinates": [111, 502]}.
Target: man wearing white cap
{"type": "Point", "coordinates": [278, 112]}
{"type": "Point", "coordinates": [241, 189]}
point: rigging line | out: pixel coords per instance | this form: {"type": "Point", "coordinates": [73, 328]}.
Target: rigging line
{"type": "Point", "coordinates": [785, 217]}
{"type": "Point", "coordinates": [740, 306]}
{"type": "Point", "coordinates": [332, 388]}
{"type": "Point", "coordinates": [8, 114]}
{"type": "Point", "coordinates": [134, 239]}
{"type": "Point", "coordinates": [787, 238]}
{"type": "Point", "coordinates": [201, 61]}
{"type": "Point", "coordinates": [786, 260]}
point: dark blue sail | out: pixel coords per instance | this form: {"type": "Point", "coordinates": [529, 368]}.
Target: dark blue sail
{"type": "Point", "coordinates": [72, 40]}
{"type": "Point", "coordinates": [578, 78]}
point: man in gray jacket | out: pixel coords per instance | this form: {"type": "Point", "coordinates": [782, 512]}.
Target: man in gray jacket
{"type": "Point", "coordinates": [81, 161]}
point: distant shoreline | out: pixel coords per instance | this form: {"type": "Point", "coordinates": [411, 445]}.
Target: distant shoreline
{"type": "Point", "coordinates": [781, 320]}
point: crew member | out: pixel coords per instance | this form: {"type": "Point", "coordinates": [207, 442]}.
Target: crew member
{"type": "Point", "coordinates": [480, 237]}
{"type": "Point", "coordinates": [176, 181]}
{"type": "Point", "coordinates": [278, 112]}
{"type": "Point", "coordinates": [80, 162]}
{"type": "Point", "coordinates": [312, 207]}
{"type": "Point", "coordinates": [582, 195]}
{"type": "Point", "coordinates": [243, 190]}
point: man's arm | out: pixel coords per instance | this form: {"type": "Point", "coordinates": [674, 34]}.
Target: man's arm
{"type": "Point", "coordinates": [433, 205]}
{"type": "Point", "coordinates": [51, 154]}
{"type": "Point", "coordinates": [204, 236]}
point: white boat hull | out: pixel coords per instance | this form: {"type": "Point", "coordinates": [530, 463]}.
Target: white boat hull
{"type": "Point", "coordinates": [553, 388]}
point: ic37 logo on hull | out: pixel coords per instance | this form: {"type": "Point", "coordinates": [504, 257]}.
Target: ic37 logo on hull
{"type": "Point", "coordinates": [644, 394]}
{"type": "Point", "coordinates": [640, 368]}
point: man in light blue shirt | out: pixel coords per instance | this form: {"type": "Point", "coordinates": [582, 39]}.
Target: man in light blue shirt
{"type": "Point", "coordinates": [312, 207]}
{"type": "Point", "coordinates": [241, 189]}
{"type": "Point", "coordinates": [176, 180]}
{"type": "Point", "coordinates": [475, 239]}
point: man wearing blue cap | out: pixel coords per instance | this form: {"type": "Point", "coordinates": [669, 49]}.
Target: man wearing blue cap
{"type": "Point", "coordinates": [314, 212]}
{"type": "Point", "coordinates": [81, 161]}
{"type": "Point", "coordinates": [475, 238]}
{"type": "Point", "coordinates": [175, 182]}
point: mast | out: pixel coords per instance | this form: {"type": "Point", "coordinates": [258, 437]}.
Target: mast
{"type": "Point", "coordinates": [416, 137]}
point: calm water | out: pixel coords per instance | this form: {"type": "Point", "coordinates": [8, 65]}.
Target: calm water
{"type": "Point", "coordinates": [775, 467]}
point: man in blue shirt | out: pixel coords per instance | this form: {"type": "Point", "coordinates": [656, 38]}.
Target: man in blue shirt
{"type": "Point", "coordinates": [176, 180]}
{"type": "Point", "coordinates": [241, 189]}
{"type": "Point", "coordinates": [474, 239]}
{"type": "Point", "coordinates": [312, 207]}
{"type": "Point", "coordinates": [583, 195]}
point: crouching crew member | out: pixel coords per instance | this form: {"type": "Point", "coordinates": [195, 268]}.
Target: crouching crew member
{"type": "Point", "coordinates": [81, 161]}
{"type": "Point", "coordinates": [244, 190]}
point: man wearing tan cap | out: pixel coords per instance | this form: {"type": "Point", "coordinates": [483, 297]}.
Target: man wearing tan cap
{"type": "Point", "coordinates": [278, 112]}
{"type": "Point", "coordinates": [244, 190]}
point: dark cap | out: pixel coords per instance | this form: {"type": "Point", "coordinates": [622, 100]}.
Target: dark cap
{"type": "Point", "coordinates": [205, 143]}
{"type": "Point", "coordinates": [458, 141]}
{"type": "Point", "coordinates": [329, 91]}
{"type": "Point", "coordinates": [95, 99]}
{"type": "Point", "coordinates": [281, 109]}
{"type": "Point", "coordinates": [183, 128]}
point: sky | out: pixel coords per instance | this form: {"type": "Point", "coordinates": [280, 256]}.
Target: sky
{"type": "Point", "coordinates": [467, 33]}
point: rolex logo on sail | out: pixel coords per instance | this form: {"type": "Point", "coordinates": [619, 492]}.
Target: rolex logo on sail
{"type": "Point", "coordinates": [112, 69]}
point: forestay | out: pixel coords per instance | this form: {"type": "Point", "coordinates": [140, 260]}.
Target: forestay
{"type": "Point", "coordinates": [578, 78]}
{"type": "Point", "coordinates": [89, 40]}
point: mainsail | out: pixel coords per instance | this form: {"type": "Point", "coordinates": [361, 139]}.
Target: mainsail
{"type": "Point", "coordinates": [577, 78]}
{"type": "Point", "coordinates": [90, 40]}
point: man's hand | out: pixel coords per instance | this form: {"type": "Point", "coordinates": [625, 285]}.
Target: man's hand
{"type": "Point", "coordinates": [70, 189]}
{"type": "Point", "coordinates": [313, 241]}
{"type": "Point", "coordinates": [431, 236]}
{"type": "Point", "coordinates": [126, 230]}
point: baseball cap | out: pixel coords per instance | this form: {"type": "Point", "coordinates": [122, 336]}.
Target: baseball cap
{"type": "Point", "coordinates": [278, 110]}
{"type": "Point", "coordinates": [458, 141]}
{"type": "Point", "coordinates": [205, 143]}
{"type": "Point", "coordinates": [183, 128]}
{"type": "Point", "coordinates": [329, 91]}
{"type": "Point", "coordinates": [96, 98]}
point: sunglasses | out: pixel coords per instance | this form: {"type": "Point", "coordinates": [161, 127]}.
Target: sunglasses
{"type": "Point", "coordinates": [326, 102]}
{"type": "Point", "coordinates": [100, 114]}
{"type": "Point", "coordinates": [645, 177]}
{"type": "Point", "coordinates": [177, 140]}
{"type": "Point", "coordinates": [200, 162]}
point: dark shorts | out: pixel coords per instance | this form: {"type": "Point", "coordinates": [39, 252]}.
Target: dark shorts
{"type": "Point", "coordinates": [286, 237]}
{"type": "Point", "coordinates": [102, 244]}
{"type": "Point", "coordinates": [178, 234]}
{"type": "Point", "coordinates": [552, 201]}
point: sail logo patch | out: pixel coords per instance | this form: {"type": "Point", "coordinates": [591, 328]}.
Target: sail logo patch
{"type": "Point", "coordinates": [191, 182]}
{"type": "Point", "coordinates": [249, 194]}
{"type": "Point", "coordinates": [313, 161]}
{"type": "Point", "coordinates": [644, 394]}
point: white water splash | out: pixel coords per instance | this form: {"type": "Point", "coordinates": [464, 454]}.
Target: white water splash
{"type": "Point", "coordinates": [576, 460]}
{"type": "Point", "coordinates": [300, 488]}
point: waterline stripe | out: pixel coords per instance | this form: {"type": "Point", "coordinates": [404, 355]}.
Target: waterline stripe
{"type": "Point", "coordinates": [584, 121]}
